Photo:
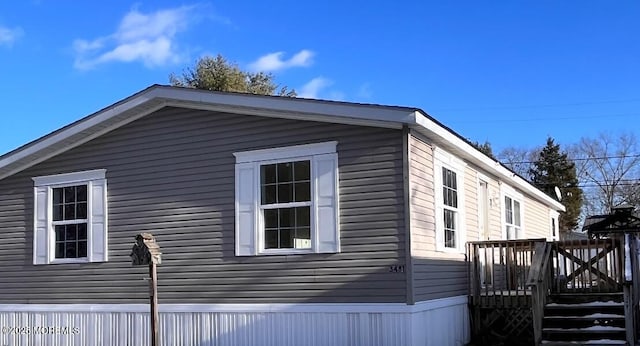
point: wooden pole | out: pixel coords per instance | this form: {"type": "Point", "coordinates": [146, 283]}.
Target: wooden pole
{"type": "Point", "coordinates": [153, 296]}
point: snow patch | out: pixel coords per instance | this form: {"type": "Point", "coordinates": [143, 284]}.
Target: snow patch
{"type": "Point", "coordinates": [599, 328]}
{"type": "Point", "coordinates": [590, 342]}
{"type": "Point", "coordinates": [597, 303]}
{"type": "Point", "coordinates": [597, 315]}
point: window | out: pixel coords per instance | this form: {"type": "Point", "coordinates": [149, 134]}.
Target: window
{"type": "Point", "coordinates": [449, 173]}
{"type": "Point", "coordinates": [450, 206]}
{"type": "Point", "coordinates": [70, 221]}
{"type": "Point", "coordinates": [287, 200]}
{"type": "Point", "coordinates": [554, 234]}
{"type": "Point", "coordinates": [285, 203]}
{"type": "Point", "coordinates": [513, 218]}
{"type": "Point", "coordinates": [70, 218]}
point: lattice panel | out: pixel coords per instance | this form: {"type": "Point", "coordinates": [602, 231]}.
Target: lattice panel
{"type": "Point", "coordinates": [518, 323]}
{"type": "Point", "coordinates": [505, 327]}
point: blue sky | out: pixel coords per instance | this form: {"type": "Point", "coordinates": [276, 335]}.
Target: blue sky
{"type": "Point", "coordinates": [510, 72]}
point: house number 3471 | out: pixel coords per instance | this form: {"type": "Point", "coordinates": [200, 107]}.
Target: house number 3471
{"type": "Point", "coordinates": [396, 269]}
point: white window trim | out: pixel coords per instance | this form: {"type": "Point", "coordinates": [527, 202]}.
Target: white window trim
{"type": "Point", "coordinates": [97, 226]}
{"type": "Point", "coordinates": [249, 162]}
{"type": "Point", "coordinates": [554, 215]}
{"type": "Point", "coordinates": [446, 160]}
{"type": "Point", "coordinates": [282, 154]}
{"type": "Point", "coordinates": [508, 191]}
{"type": "Point", "coordinates": [487, 204]}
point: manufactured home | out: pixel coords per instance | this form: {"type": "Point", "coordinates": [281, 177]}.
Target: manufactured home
{"type": "Point", "coordinates": [282, 221]}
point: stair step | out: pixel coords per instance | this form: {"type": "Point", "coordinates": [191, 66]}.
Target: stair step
{"type": "Point", "coordinates": [599, 341]}
{"type": "Point", "coordinates": [584, 334]}
{"type": "Point", "coordinates": [572, 298]}
{"type": "Point", "coordinates": [584, 319]}
{"type": "Point", "coordinates": [573, 322]}
{"type": "Point", "coordinates": [584, 309]}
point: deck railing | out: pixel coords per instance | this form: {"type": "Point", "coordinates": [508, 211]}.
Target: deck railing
{"type": "Point", "coordinates": [632, 285]}
{"type": "Point", "coordinates": [525, 273]}
{"type": "Point", "coordinates": [540, 281]}
{"type": "Point", "coordinates": [499, 270]}
{"type": "Point", "coordinates": [587, 266]}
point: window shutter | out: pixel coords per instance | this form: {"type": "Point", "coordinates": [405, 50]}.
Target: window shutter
{"type": "Point", "coordinates": [246, 216]}
{"type": "Point", "coordinates": [98, 251]}
{"type": "Point", "coordinates": [41, 225]}
{"type": "Point", "coordinates": [326, 216]}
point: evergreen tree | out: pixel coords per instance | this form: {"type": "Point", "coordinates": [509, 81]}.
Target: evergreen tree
{"type": "Point", "coordinates": [553, 168]}
{"type": "Point", "coordinates": [485, 148]}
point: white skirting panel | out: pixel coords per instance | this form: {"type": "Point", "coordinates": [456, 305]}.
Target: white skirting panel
{"type": "Point", "coordinates": [438, 322]}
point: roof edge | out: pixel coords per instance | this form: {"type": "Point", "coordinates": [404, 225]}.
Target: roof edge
{"type": "Point", "coordinates": [58, 141]}
{"type": "Point", "coordinates": [436, 129]}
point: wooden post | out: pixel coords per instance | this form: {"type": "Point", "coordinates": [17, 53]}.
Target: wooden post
{"type": "Point", "coordinates": [153, 300]}
{"type": "Point", "coordinates": [146, 251]}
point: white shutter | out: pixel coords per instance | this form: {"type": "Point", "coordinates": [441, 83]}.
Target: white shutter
{"type": "Point", "coordinates": [326, 203]}
{"type": "Point", "coordinates": [41, 225]}
{"type": "Point", "coordinates": [98, 241]}
{"type": "Point", "coordinates": [246, 216]}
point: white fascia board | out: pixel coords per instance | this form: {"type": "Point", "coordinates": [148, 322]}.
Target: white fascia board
{"type": "Point", "coordinates": [77, 128]}
{"type": "Point", "coordinates": [162, 96]}
{"type": "Point", "coordinates": [435, 131]}
{"type": "Point", "coordinates": [283, 107]}
{"type": "Point", "coordinates": [60, 138]}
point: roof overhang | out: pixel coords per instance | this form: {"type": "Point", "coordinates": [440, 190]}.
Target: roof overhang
{"type": "Point", "coordinates": [157, 97]}
{"type": "Point", "coordinates": [449, 140]}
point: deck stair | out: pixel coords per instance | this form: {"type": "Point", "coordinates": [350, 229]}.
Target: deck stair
{"type": "Point", "coordinates": [584, 319]}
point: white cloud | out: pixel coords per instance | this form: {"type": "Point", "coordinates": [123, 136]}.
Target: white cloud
{"type": "Point", "coordinates": [365, 92]}
{"type": "Point", "coordinates": [274, 62]}
{"type": "Point", "coordinates": [337, 95]}
{"type": "Point", "coordinates": [9, 35]}
{"type": "Point", "coordinates": [146, 37]}
{"type": "Point", "coordinates": [313, 87]}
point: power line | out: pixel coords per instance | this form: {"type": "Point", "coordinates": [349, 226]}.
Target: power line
{"type": "Point", "coordinates": [621, 182]}
{"type": "Point", "coordinates": [515, 120]}
{"type": "Point", "coordinates": [637, 183]}
{"type": "Point", "coordinates": [505, 160]}
{"type": "Point", "coordinates": [542, 105]}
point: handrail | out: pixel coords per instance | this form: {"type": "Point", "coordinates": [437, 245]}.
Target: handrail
{"type": "Point", "coordinates": [630, 285]}
{"type": "Point", "coordinates": [538, 280]}
{"type": "Point", "coordinates": [540, 259]}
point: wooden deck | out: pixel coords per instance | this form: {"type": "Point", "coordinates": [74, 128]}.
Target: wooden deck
{"type": "Point", "coordinates": [511, 281]}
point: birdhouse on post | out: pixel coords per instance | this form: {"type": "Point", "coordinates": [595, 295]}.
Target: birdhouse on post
{"type": "Point", "coordinates": [146, 251]}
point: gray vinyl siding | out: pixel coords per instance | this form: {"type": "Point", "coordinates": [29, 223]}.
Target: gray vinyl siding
{"type": "Point", "coordinates": [435, 274]}
{"type": "Point", "coordinates": [439, 278]}
{"type": "Point", "coordinates": [172, 173]}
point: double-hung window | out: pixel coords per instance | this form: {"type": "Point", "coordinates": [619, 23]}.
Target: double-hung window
{"type": "Point", "coordinates": [512, 218]}
{"type": "Point", "coordinates": [449, 196]}
{"type": "Point", "coordinates": [70, 218]}
{"type": "Point", "coordinates": [450, 206]}
{"type": "Point", "coordinates": [287, 200]}
{"type": "Point", "coordinates": [285, 204]}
